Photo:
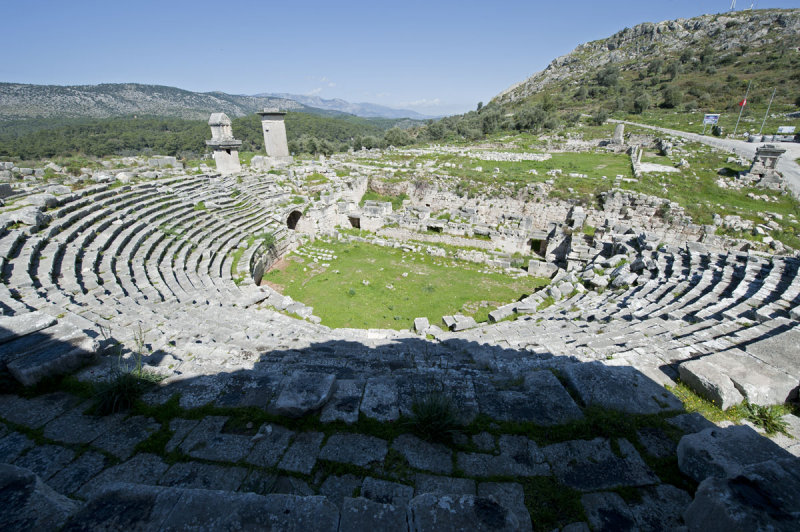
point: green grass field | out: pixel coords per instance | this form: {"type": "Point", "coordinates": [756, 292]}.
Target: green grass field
{"type": "Point", "coordinates": [432, 287]}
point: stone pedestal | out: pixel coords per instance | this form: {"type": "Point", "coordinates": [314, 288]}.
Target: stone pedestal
{"type": "Point", "coordinates": [226, 148]}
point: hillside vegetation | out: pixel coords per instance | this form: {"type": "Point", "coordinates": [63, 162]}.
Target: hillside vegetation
{"type": "Point", "coordinates": [307, 133]}
{"type": "Point", "coordinates": [669, 73]}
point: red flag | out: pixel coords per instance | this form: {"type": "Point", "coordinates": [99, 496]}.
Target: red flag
{"type": "Point", "coordinates": [743, 103]}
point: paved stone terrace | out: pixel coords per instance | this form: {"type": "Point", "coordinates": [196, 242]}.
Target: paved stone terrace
{"type": "Point", "coordinates": [110, 262]}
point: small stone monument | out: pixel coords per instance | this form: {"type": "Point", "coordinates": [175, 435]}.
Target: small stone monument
{"type": "Point", "coordinates": [765, 165]}
{"type": "Point", "coordinates": [275, 135]}
{"type": "Point", "coordinates": [226, 148]}
{"type": "Point", "coordinates": [619, 134]}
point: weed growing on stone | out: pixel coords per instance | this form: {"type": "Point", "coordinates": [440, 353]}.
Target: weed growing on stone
{"type": "Point", "coordinates": [124, 385]}
{"type": "Point", "coordinates": [767, 417]}
{"type": "Point", "coordinates": [434, 418]}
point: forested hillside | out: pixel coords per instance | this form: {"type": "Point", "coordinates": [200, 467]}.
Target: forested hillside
{"type": "Point", "coordinates": [306, 133]}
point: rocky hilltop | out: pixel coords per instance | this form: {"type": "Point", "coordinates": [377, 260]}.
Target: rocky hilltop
{"type": "Point", "coordinates": [21, 101]}
{"type": "Point", "coordinates": [636, 46]}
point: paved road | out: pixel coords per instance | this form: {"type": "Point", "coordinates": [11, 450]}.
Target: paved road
{"type": "Point", "coordinates": [786, 165]}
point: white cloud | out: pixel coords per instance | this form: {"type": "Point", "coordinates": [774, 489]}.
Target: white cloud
{"type": "Point", "coordinates": [314, 92]}
{"type": "Point", "coordinates": [424, 102]}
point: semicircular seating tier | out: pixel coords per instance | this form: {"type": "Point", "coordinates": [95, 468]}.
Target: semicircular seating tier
{"type": "Point", "coordinates": [170, 261]}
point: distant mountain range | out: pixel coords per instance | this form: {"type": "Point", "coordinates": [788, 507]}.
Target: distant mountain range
{"type": "Point", "coordinates": [25, 102]}
{"type": "Point", "coordinates": [363, 109]}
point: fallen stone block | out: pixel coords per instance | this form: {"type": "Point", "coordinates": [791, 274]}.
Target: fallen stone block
{"type": "Point", "coordinates": [29, 504]}
{"type": "Point", "coordinates": [761, 496]}
{"type": "Point", "coordinates": [724, 452]}
{"type": "Point", "coordinates": [709, 381]}
{"type": "Point", "coordinates": [501, 313]}
{"type": "Point", "coordinates": [303, 392]}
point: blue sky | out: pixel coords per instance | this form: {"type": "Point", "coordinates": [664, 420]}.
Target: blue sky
{"type": "Point", "coordinates": [436, 57]}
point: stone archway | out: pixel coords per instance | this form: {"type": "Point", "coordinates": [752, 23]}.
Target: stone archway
{"type": "Point", "coordinates": [294, 217]}
{"type": "Point", "coordinates": [355, 222]}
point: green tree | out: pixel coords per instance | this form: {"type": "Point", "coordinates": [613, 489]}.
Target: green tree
{"type": "Point", "coordinates": [673, 69]}
{"type": "Point", "coordinates": [608, 76]}
{"type": "Point", "coordinates": [641, 103]}
{"type": "Point", "coordinates": [490, 121]}
{"type": "Point", "coordinates": [530, 118]}
{"type": "Point", "coordinates": [672, 96]}
{"type": "Point", "coordinates": [600, 117]}
{"type": "Point", "coordinates": [655, 67]}
{"type": "Point", "coordinates": [397, 137]}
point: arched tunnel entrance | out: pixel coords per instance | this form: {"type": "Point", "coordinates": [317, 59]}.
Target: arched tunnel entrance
{"type": "Point", "coordinates": [294, 217]}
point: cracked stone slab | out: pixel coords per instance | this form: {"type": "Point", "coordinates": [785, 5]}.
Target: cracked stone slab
{"type": "Point", "coordinates": [270, 443]}
{"type": "Point", "coordinates": [302, 454]}
{"type": "Point", "coordinates": [541, 399]}
{"type": "Point", "coordinates": [75, 475]}
{"type": "Point", "coordinates": [180, 428]}
{"type": "Point", "coordinates": [264, 483]}
{"type": "Point", "coordinates": [13, 444]}
{"type": "Point", "coordinates": [362, 514]}
{"type": "Point", "coordinates": [301, 393]}
{"type": "Point", "coordinates": [656, 442]}
{"type": "Point", "coordinates": [386, 492]}
{"type": "Point", "coordinates": [121, 439]}
{"type": "Point", "coordinates": [203, 476]}
{"type": "Point", "coordinates": [380, 399]}
{"type": "Point", "coordinates": [206, 441]}
{"type": "Point", "coordinates": [124, 506]}
{"type": "Point", "coordinates": [344, 403]}
{"type": "Point", "coordinates": [76, 427]}
{"type": "Point", "coordinates": [591, 465]}
{"type": "Point", "coordinates": [143, 468]}
{"type": "Point", "coordinates": [519, 456]}
{"type": "Point", "coordinates": [248, 390]}
{"type": "Point", "coordinates": [484, 442]}
{"type": "Point", "coordinates": [424, 483]}
{"type": "Point", "coordinates": [691, 423]}
{"type": "Point", "coordinates": [621, 388]}
{"type": "Point", "coordinates": [44, 460]}
{"type": "Point", "coordinates": [356, 449]}
{"type": "Point", "coordinates": [423, 455]}
{"type": "Point", "coordinates": [510, 495]}
{"type": "Point", "coordinates": [337, 488]}
{"type": "Point", "coordinates": [460, 512]}
{"type": "Point", "coordinates": [37, 411]}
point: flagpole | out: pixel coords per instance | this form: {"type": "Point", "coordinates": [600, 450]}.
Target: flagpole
{"type": "Point", "coordinates": [742, 108]}
{"type": "Point", "coordinates": [767, 113]}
